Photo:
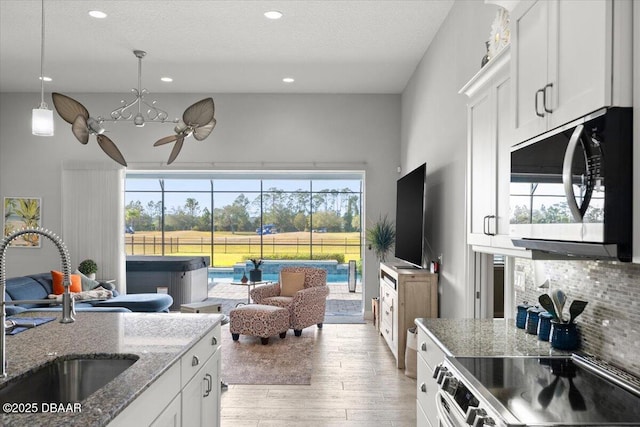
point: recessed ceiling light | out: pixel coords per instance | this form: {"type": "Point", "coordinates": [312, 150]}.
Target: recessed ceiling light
{"type": "Point", "coordinates": [273, 14]}
{"type": "Point", "coordinates": [288, 80]}
{"type": "Point", "coordinates": [45, 78]}
{"type": "Point", "coordinates": [97, 14]}
{"type": "Point", "coordinates": [166, 79]}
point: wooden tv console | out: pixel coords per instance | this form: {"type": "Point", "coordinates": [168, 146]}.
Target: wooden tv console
{"type": "Point", "coordinates": [405, 294]}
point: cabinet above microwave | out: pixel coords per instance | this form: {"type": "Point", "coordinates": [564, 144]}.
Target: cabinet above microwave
{"type": "Point", "coordinates": [565, 63]}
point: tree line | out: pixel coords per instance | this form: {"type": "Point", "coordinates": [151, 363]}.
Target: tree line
{"type": "Point", "coordinates": [326, 210]}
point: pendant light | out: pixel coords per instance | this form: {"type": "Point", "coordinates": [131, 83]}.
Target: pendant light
{"type": "Point", "coordinates": [42, 117]}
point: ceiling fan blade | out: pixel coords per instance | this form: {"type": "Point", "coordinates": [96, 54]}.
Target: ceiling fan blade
{"type": "Point", "coordinates": [201, 132]}
{"type": "Point", "coordinates": [200, 113]}
{"type": "Point", "coordinates": [68, 108]}
{"type": "Point", "coordinates": [110, 148]}
{"type": "Point", "coordinates": [176, 150]}
{"type": "Point", "coordinates": [166, 140]}
{"type": "Point", "coordinates": [80, 129]}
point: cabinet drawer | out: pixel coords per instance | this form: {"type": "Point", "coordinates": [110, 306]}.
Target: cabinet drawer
{"type": "Point", "coordinates": [197, 355]}
{"type": "Point", "coordinates": [429, 350]}
{"type": "Point", "coordinates": [426, 391]}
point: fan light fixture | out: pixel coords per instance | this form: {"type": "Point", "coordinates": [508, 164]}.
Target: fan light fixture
{"type": "Point", "coordinates": [42, 117]}
{"type": "Point", "coordinates": [197, 120]}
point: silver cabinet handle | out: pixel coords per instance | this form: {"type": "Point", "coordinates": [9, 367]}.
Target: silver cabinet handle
{"type": "Point", "coordinates": [423, 387]}
{"type": "Point", "coordinates": [423, 346]}
{"type": "Point", "coordinates": [195, 361]}
{"type": "Point", "coordinates": [539, 114]}
{"type": "Point", "coordinates": [214, 341]}
{"type": "Point", "coordinates": [567, 178]}
{"type": "Point", "coordinates": [544, 97]}
{"type": "Point", "coordinates": [209, 381]}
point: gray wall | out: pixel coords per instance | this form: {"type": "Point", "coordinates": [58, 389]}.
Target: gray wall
{"type": "Point", "coordinates": [284, 132]}
{"type": "Point", "coordinates": [434, 131]}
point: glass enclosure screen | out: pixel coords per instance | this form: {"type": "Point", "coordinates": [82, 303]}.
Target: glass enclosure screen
{"type": "Point", "coordinates": [235, 217]}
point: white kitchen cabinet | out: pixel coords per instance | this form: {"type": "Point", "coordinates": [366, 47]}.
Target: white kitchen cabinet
{"type": "Point", "coordinates": [201, 396]}
{"type": "Point", "coordinates": [429, 356]}
{"type": "Point", "coordinates": [489, 140]}
{"type": "Point", "coordinates": [187, 394]}
{"type": "Point", "coordinates": [565, 63]}
{"type": "Point", "coordinates": [405, 294]}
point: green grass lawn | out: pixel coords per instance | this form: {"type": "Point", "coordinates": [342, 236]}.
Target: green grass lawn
{"type": "Point", "coordinates": [230, 248]}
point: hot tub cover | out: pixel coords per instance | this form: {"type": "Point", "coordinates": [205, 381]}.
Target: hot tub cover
{"type": "Point", "coordinates": [166, 263]}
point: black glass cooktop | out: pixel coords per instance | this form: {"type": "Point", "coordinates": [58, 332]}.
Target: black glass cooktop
{"type": "Point", "coordinates": [547, 391]}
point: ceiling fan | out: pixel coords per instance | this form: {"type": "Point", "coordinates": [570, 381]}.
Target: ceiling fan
{"type": "Point", "coordinates": [197, 120]}
{"type": "Point", "coordinates": [83, 125]}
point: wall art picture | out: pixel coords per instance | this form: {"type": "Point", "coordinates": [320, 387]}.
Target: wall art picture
{"type": "Point", "coordinates": [22, 212]}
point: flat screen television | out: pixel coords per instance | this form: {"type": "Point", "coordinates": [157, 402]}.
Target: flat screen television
{"type": "Point", "coordinates": [410, 206]}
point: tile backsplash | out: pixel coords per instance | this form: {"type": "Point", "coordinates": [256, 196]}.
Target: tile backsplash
{"type": "Point", "coordinates": [610, 324]}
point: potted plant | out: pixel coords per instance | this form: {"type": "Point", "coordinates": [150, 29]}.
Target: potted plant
{"type": "Point", "coordinates": [88, 267]}
{"type": "Point", "coordinates": [381, 237]}
{"type": "Point", "coordinates": [255, 275]}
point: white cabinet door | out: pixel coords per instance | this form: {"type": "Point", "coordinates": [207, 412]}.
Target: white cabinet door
{"type": "Point", "coordinates": [529, 29]}
{"type": "Point", "coordinates": [579, 59]}
{"type": "Point", "coordinates": [569, 59]}
{"type": "Point", "coordinates": [200, 397]}
{"type": "Point", "coordinates": [211, 400]}
{"type": "Point", "coordinates": [171, 416]}
{"type": "Point", "coordinates": [490, 136]}
{"type": "Point", "coordinates": [481, 150]}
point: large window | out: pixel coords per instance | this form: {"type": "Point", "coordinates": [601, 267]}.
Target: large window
{"type": "Point", "coordinates": [234, 216]}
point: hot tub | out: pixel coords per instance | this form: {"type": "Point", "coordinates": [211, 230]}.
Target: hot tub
{"type": "Point", "coordinates": [184, 278]}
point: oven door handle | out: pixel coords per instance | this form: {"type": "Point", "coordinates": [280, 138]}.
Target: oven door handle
{"type": "Point", "coordinates": [443, 416]}
{"type": "Point", "coordinates": [567, 178]}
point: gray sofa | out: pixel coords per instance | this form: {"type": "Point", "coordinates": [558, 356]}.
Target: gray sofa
{"type": "Point", "coordinates": [40, 286]}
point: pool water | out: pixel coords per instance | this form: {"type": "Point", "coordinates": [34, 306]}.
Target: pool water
{"type": "Point", "coordinates": [336, 272]}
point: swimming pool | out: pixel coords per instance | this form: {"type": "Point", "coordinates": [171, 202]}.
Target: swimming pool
{"type": "Point", "coordinates": [336, 272]}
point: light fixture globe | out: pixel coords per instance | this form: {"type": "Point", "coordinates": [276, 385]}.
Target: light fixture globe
{"type": "Point", "coordinates": [42, 121]}
{"type": "Point", "coordinates": [138, 120]}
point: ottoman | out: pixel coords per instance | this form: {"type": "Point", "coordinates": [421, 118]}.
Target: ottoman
{"type": "Point", "coordinates": [259, 320]}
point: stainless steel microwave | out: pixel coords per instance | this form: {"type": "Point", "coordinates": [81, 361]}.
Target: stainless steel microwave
{"type": "Point", "coordinates": [571, 188]}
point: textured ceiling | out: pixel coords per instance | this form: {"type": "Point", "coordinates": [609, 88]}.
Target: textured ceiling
{"type": "Point", "coordinates": [329, 46]}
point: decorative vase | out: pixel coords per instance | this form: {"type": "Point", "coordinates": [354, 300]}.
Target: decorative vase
{"type": "Point", "coordinates": [92, 276]}
{"type": "Point", "coordinates": [564, 336]}
{"type": "Point", "coordinates": [544, 326]}
{"type": "Point", "coordinates": [485, 58]}
{"type": "Point", "coordinates": [255, 275]}
{"type": "Point", "coordinates": [521, 317]}
{"type": "Point", "coordinates": [244, 278]}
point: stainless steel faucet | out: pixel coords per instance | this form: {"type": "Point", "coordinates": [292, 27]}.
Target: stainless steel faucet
{"type": "Point", "coordinates": [67, 300]}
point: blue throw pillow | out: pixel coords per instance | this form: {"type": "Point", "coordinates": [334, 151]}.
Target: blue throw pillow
{"type": "Point", "coordinates": [87, 283]}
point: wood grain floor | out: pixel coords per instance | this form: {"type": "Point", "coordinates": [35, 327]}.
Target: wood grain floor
{"type": "Point", "coordinates": [355, 383]}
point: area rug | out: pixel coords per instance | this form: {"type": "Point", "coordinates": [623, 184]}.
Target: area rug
{"type": "Point", "coordinates": [283, 361]}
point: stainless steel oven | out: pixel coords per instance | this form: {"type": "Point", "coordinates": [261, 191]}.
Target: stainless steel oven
{"type": "Point", "coordinates": [571, 188]}
{"type": "Point", "coordinates": [535, 391]}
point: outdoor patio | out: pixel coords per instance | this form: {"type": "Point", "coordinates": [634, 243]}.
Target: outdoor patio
{"type": "Point", "coordinates": [342, 306]}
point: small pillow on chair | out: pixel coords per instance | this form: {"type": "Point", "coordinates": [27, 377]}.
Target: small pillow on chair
{"type": "Point", "coordinates": [58, 282]}
{"type": "Point", "coordinates": [291, 282]}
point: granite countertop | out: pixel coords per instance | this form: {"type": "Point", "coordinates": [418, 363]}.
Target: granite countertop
{"type": "Point", "coordinates": [485, 337]}
{"type": "Point", "coordinates": [159, 339]}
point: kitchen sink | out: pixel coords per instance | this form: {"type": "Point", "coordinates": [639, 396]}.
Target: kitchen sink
{"type": "Point", "coordinates": [68, 379]}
